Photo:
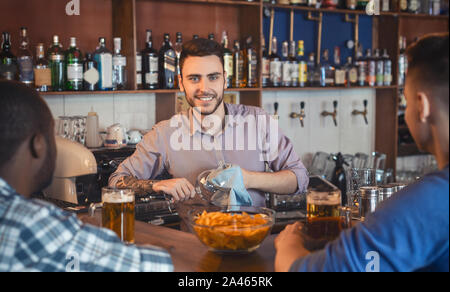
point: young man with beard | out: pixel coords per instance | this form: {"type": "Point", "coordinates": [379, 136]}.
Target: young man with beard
{"type": "Point", "coordinates": [211, 122]}
{"type": "Point", "coordinates": [34, 235]}
{"type": "Point", "coordinates": [408, 232]}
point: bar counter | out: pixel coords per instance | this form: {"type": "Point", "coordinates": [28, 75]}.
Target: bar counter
{"type": "Point", "coordinates": [190, 255]}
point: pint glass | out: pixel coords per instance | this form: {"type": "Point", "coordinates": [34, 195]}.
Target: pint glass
{"type": "Point", "coordinates": [118, 212]}
{"type": "Point", "coordinates": [323, 214]}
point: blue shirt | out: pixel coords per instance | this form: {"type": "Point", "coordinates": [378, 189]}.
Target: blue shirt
{"type": "Point", "coordinates": [408, 232]}
{"type": "Point", "coordinates": [36, 236]}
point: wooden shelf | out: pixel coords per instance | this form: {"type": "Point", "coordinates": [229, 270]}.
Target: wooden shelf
{"type": "Point", "coordinates": [349, 11]}
{"type": "Point", "coordinates": [213, 2]}
{"type": "Point", "coordinates": [326, 88]}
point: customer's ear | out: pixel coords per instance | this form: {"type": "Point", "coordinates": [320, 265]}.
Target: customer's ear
{"type": "Point", "coordinates": [38, 146]}
{"type": "Point", "coordinates": [424, 106]}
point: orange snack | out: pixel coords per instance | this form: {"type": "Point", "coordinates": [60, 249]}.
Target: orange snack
{"type": "Point", "coordinates": [231, 231]}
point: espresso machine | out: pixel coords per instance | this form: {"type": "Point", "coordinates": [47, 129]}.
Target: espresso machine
{"type": "Point", "coordinates": [81, 173]}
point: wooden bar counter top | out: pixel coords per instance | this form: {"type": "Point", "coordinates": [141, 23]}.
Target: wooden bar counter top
{"type": "Point", "coordinates": [190, 255]}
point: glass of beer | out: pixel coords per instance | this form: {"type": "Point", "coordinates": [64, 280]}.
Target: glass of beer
{"type": "Point", "coordinates": [323, 215]}
{"type": "Point", "coordinates": [118, 212]}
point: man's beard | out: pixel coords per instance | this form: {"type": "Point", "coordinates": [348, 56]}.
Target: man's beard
{"type": "Point", "coordinates": [215, 97]}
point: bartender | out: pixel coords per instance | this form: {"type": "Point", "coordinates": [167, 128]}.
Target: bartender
{"type": "Point", "coordinates": [209, 133]}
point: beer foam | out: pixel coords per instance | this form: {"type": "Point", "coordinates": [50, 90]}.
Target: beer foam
{"type": "Point", "coordinates": [117, 198]}
{"type": "Point", "coordinates": [323, 199]}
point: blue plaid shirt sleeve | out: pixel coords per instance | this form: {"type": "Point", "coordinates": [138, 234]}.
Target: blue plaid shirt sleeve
{"type": "Point", "coordinates": [36, 236]}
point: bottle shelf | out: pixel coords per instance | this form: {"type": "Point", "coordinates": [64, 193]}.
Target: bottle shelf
{"type": "Point", "coordinates": [349, 11]}
{"type": "Point", "coordinates": [221, 2]}
{"type": "Point", "coordinates": [174, 91]}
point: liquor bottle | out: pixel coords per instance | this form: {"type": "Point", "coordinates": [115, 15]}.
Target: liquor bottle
{"type": "Point", "coordinates": [402, 62]}
{"type": "Point", "coordinates": [265, 65]}
{"type": "Point", "coordinates": [311, 67]}
{"type": "Point", "coordinates": [299, 2]}
{"type": "Point", "coordinates": [327, 71]}
{"type": "Point", "coordinates": [379, 68]}
{"type": "Point", "coordinates": [385, 5]}
{"type": "Point", "coordinates": [414, 6]}
{"type": "Point", "coordinates": [227, 60]}
{"type": "Point", "coordinates": [286, 80]}
{"type": "Point", "coordinates": [178, 48]}
{"type": "Point", "coordinates": [91, 76]}
{"type": "Point", "coordinates": [403, 5]}
{"type": "Point", "coordinates": [119, 66]}
{"type": "Point", "coordinates": [302, 65]}
{"type": "Point", "coordinates": [251, 59]}
{"type": "Point", "coordinates": [245, 65]}
{"type": "Point", "coordinates": [436, 7]}
{"type": "Point", "coordinates": [351, 72]}
{"type": "Point", "coordinates": [74, 67]}
{"type": "Point", "coordinates": [238, 66]}
{"type": "Point", "coordinates": [167, 66]}
{"type": "Point", "coordinates": [351, 4]}
{"type": "Point", "coordinates": [103, 57]}
{"type": "Point", "coordinates": [387, 78]}
{"type": "Point", "coordinates": [294, 65]}
{"type": "Point", "coordinates": [8, 62]}
{"type": "Point", "coordinates": [361, 4]}
{"type": "Point", "coordinates": [56, 59]}
{"type": "Point", "coordinates": [275, 65]}
{"type": "Point", "coordinates": [312, 3]}
{"type": "Point", "coordinates": [25, 60]}
{"type": "Point", "coordinates": [362, 67]}
{"type": "Point", "coordinates": [331, 4]}
{"type": "Point", "coordinates": [150, 64]}
{"type": "Point", "coordinates": [42, 72]}
{"type": "Point", "coordinates": [211, 37]}
{"type": "Point", "coordinates": [139, 71]}
{"type": "Point", "coordinates": [371, 68]}
{"type": "Point", "coordinates": [339, 72]}
{"type": "Point", "coordinates": [195, 37]}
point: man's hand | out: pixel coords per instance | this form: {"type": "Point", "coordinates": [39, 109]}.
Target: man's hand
{"type": "Point", "coordinates": [290, 247]}
{"type": "Point", "coordinates": [179, 188]}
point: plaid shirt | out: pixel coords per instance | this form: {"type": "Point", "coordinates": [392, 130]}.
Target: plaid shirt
{"type": "Point", "coordinates": [37, 236]}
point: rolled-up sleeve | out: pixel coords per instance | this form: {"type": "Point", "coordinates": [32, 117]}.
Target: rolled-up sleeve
{"type": "Point", "coordinates": [147, 162]}
{"type": "Point", "coordinates": [287, 159]}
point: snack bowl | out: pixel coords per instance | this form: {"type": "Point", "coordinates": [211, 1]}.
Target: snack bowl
{"type": "Point", "coordinates": [233, 229]}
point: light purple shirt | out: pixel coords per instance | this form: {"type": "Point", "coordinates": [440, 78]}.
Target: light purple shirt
{"type": "Point", "coordinates": [180, 147]}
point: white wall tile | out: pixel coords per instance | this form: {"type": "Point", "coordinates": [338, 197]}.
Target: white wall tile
{"type": "Point", "coordinates": [103, 104]}
{"type": "Point", "coordinates": [135, 111]}
{"type": "Point", "coordinates": [56, 104]}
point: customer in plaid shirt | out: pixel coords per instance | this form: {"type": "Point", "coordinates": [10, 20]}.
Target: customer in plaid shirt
{"type": "Point", "coordinates": [34, 235]}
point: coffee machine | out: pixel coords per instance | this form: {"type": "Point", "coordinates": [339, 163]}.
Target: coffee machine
{"type": "Point", "coordinates": [75, 176]}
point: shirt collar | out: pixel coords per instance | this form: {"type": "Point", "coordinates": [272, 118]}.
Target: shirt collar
{"type": "Point", "coordinates": [5, 188]}
{"type": "Point", "coordinates": [195, 124]}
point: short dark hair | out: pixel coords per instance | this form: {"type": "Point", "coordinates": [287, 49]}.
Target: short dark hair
{"type": "Point", "coordinates": [201, 48]}
{"type": "Point", "coordinates": [23, 112]}
{"type": "Point", "coordinates": [428, 58]}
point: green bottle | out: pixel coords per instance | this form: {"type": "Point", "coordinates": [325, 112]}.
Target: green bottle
{"type": "Point", "coordinates": [74, 67]}
{"type": "Point", "coordinates": [56, 60]}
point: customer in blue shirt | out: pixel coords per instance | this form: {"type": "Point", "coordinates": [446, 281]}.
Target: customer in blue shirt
{"type": "Point", "coordinates": [410, 231]}
{"type": "Point", "coordinates": [37, 236]}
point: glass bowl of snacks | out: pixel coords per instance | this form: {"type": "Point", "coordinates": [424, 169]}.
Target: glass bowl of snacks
{"type": "Point", "coordinates": [233, 229]}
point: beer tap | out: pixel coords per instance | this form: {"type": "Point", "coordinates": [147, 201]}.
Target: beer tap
{"type": "Point", "coordinates": [332, 114]}
{"type": "Point", "coordinates": [301, 115]}
{"type": "Point", "coordinates": [363, 113]}
{"type": "Point", "coordinates": [275, 106]}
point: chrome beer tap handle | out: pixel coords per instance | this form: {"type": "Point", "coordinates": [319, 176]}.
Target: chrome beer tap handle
{"type": "Point", "coordinates": [363, 113]}
{"type": "Point", "coordinates": [301, 116]}
{"type": "Point", "coordinates": [332, 114]}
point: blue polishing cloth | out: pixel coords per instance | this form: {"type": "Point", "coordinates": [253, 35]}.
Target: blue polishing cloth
{"type": "Point", "coordinates": [231, 177]}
